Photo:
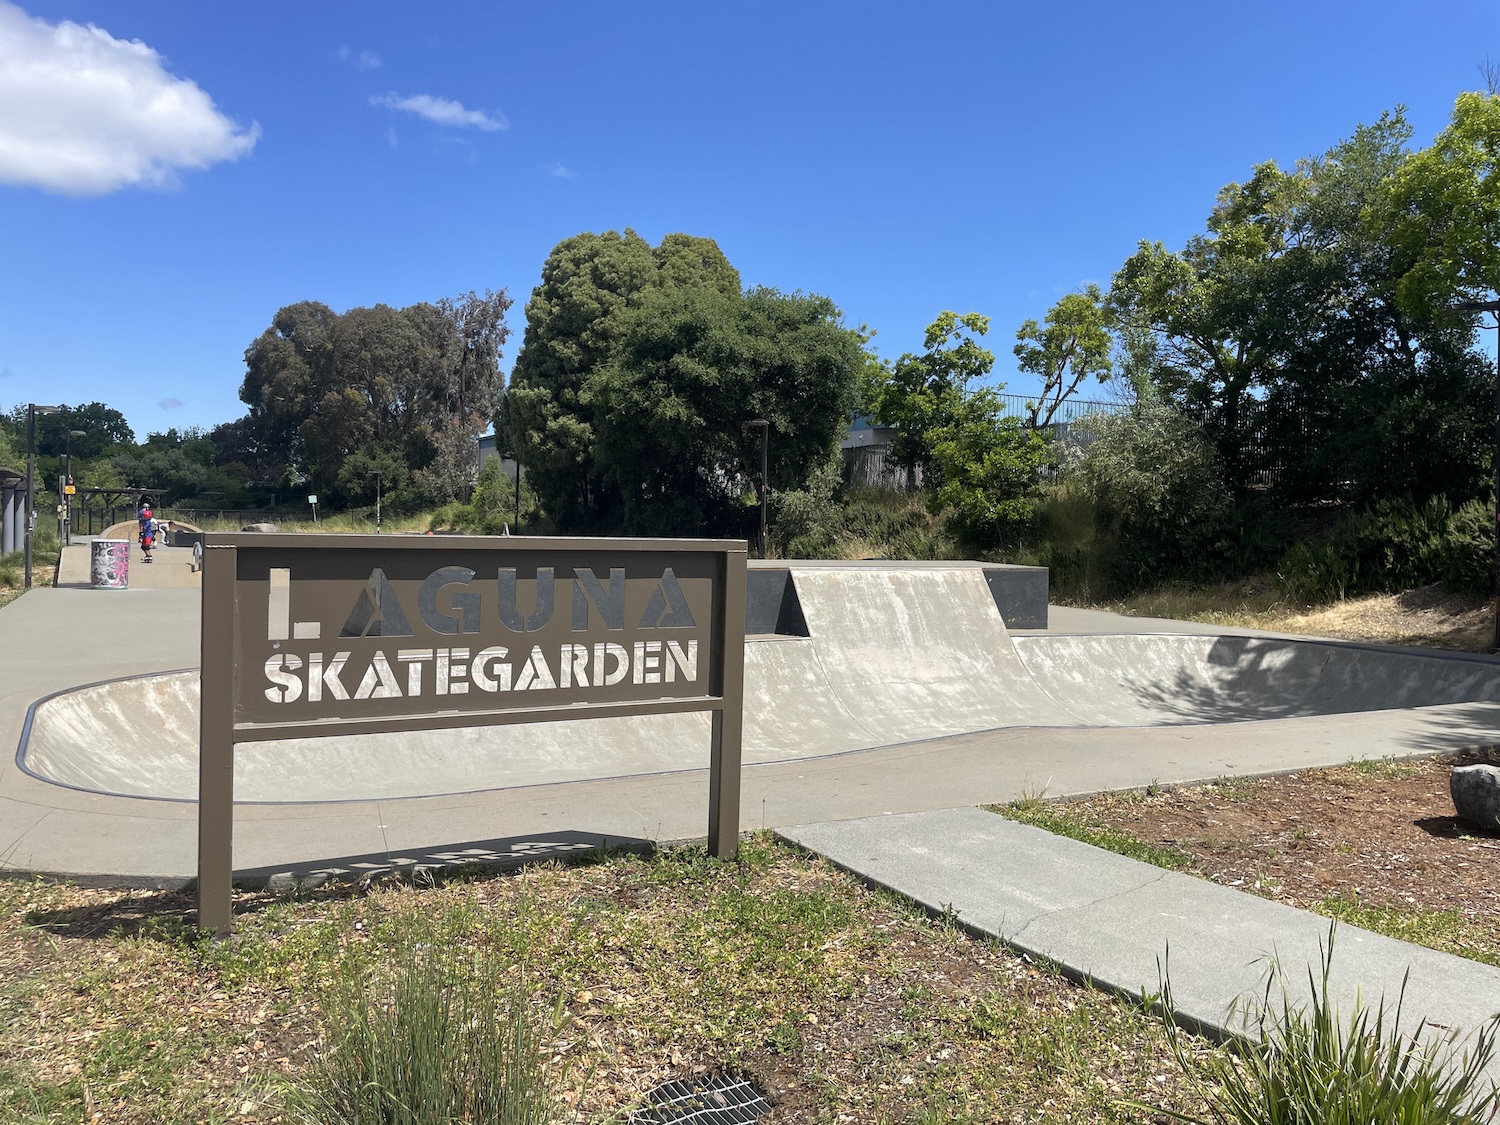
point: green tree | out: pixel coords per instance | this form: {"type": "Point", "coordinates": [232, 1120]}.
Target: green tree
{"type": "Point", "coordinates": [926, 390]}
{"type": "Point", "coordinates": [1074, 344]}
{"type": "Point", "coordinates": [574, 324]}
{"type": "Point", "coordinates": [399, 387]}
{"type": "Point", "coordinates": [985, 470]}
{"type": "Point", "coordinates": [1158, 498]}
{"type": "Point", "coordinates": [1282, 332]}
{"type": "Point", "coordinates": [12, 456]}
{"type": "Point", "coordinates": [693, 365]}
{"type": "Point", "coordinates": [1445, 210]}
{"type": "Point", "coordinates": [979, 465]}
{"type": "Point", "coordinates": [105, 429]}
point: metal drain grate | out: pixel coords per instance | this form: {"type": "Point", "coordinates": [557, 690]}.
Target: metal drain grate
{"type": "Point", "coordinates": [723, 1100]}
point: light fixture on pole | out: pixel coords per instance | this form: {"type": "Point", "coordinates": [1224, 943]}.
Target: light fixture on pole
{"type": "Point", "coordinates": [67, 489]}
{"type": "Point", "coordinates": [1493, 308]}
{"type": "Point", "coordinates": [32, 410]}
{"type": "Point", "coordinates": [765, 447]}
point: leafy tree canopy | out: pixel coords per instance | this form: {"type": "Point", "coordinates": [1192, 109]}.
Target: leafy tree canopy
{"type": "Point", "coordinates": [575, 321]}
{"type": "Point", "coordinates": [694, 364]}
{"type": "Point", "coordinates": [1074, 343]}
{"type": "Point", "coordinates": [980, 465]}
{"type": "Point", "coordinates": [381, 382]}
{"type": "Point", "coordinates": [925, 390]}
{"type": "Point", "coordinates": [1444, 207]}
{"type": "Point", "coordinates": [1284, 332]}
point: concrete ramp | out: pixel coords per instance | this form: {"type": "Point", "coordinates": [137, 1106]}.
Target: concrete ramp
{"type": "Point", "coordinates": [915, 654]}
{"type": "Point", "coordinates": [893, 655]}
{"type": "Point", "coordinates": [1155, 680]}
{"type": "Point", "coordinates": [139, 738]}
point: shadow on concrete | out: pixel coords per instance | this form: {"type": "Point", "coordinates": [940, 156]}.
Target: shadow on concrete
{"type": "Point", "coordinates": [1463, 735]}
{"type": "Point", "coordinates": [171, 914]}
{"type": "Point", "coordinates": [1256, 678]}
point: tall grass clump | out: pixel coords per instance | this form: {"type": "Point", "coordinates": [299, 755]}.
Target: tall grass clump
{"type": "Point", "coordinates": [1307, 1067]}
{"type": "Point", "coordinates": [433, 1037]}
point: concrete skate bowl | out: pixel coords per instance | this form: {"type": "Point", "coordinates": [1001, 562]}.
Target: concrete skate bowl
{"type": "Point", "coordinates": [889, 656]}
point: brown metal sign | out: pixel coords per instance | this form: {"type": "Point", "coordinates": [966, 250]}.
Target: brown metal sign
{"type": "Point", "coordinates": [313, 635]}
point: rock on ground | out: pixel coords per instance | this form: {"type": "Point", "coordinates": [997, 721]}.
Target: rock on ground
{"type": "Point", "coordinates": [1476, 794]}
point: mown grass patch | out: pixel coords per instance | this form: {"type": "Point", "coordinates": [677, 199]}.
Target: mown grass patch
{"type": "Point", "coordinates": [839, 1000]}
{"type": "Point", "coordinates": [1447, 931]}
{"type": "Point", "coordinates": [1059, 819]}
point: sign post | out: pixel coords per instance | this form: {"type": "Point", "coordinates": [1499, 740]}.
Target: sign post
{"type": "Point", "coordinates": [307, 636]}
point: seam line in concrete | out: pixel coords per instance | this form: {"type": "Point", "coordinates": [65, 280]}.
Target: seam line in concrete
{"type": "Point", "coordinates": [1161, 875]}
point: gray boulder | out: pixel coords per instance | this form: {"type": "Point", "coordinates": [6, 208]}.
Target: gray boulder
{"type": "Point", "coordinates": [1476, 795]}
{"type": "Point", "coordinates": [268, 528]}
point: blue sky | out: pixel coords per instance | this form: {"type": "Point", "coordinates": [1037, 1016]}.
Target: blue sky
{"type": "Point", "coordinates": [159, 201]}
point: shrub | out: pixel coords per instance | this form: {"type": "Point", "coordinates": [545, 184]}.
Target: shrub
{"type": "Point", "coordinates": [442, 1036]}
{"type": "Point", "coordinates": [1305, 1067]}
{"type": "Point", "coordinates": [1397, 545]}
{"type": "Point", "coordinates": [491, 509]}
{"type": "Point", "coordinates": [864, 523]}
{"type": "Point", "coordinates": [1159, 505]}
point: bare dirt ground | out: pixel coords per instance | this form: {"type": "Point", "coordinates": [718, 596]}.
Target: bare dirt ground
{"type": "Point", "coordinates": [1380, 838]}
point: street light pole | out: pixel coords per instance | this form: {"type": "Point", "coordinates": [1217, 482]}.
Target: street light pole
{"type": "Point", "coordinates": [1493, 308]}
{"type": "Point", "coordinates": [377, 501]}
{"type": "Point", "coordinates": [32, 410]}
{"type": "Point", "coordinates": [765, 449]}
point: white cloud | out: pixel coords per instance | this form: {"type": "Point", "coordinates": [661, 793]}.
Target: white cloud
{"type": "Point", "coordinates": [443, 111]}
{"type": "Point", "coordinates": [170, 404]}
{"type": "Point", "coordinates": [84, 113]}
{"type": "Point", "coordinates": [365, 60]}
{"type": "Point", "coordinates": [560, 171]}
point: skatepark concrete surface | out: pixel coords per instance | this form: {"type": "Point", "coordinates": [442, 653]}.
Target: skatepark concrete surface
{"type": "Point", "coordinates": [906, 700]}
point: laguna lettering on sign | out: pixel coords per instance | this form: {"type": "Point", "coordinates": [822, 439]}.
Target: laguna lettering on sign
{"type": "Point", "coordinates": [451, 603]}
{"type": "Point", "coordinates": [313, 635]}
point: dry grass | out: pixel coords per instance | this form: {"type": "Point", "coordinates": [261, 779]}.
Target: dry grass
{"type": "Point", "coordinates": [1429, 616]}
{"type": "Point", "coordinates": [12, 575]}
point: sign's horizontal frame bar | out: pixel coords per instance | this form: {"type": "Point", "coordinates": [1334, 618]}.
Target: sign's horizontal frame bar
{"type": "Point", "coordinates": [455, 720]}
{"type": "Point", "coordinates": [321, 541]}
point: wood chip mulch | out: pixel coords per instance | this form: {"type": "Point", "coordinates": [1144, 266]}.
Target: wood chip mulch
{"type": "Point", "coordinates": [1385, 834]}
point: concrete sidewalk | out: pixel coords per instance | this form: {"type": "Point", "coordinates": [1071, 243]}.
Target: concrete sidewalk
{"type": "Point", "coordinates": [1118, 922]}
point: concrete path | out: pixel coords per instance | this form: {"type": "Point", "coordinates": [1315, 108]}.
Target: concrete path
{"type": "Point", "coordinates": [1117, 921]}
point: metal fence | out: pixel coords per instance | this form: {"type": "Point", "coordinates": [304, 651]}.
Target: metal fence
{"type": "Point", "coordinates": [1072, 409]}
{"type": "Point", "coordinates": [867, 466]}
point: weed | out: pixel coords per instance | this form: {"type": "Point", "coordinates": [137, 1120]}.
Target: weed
{"type": "Point", "coordinates": [441, 1037]}
{"type": "Point", "coordinates": [1305, 1065]}
{"type": "Point", "coordinates": [1383, 768]}
{"type": "Point", "coordinates": [1064, 822]}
